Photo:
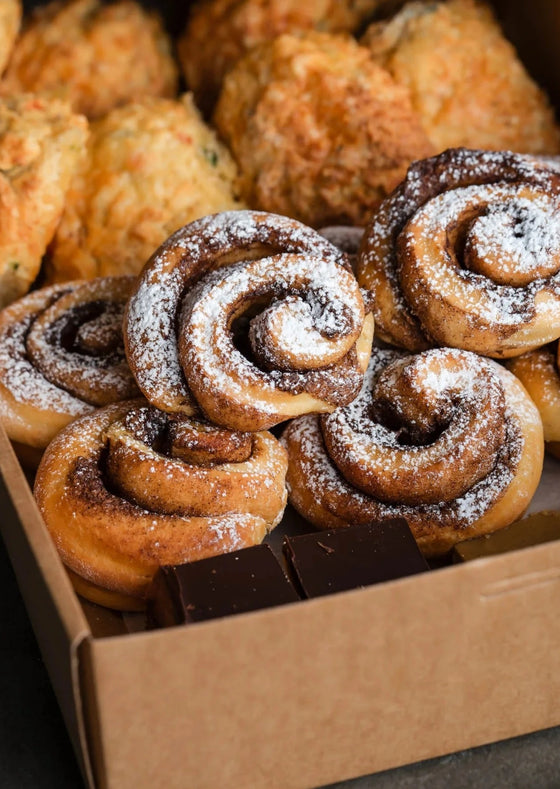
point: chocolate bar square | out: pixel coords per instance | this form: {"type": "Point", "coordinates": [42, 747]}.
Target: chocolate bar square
{"type": "Point", "coordinates": [231, 583]}
{"type": "Point", "coordinates": [347, 558]}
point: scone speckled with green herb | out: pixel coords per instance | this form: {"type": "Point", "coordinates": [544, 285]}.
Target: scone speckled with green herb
{"type": "Point", "coordinates": [151, 168]}
{"type": "Point", "coordinates": [41, 143]}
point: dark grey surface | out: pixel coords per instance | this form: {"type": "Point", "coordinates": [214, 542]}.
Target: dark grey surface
{"type": "Point", "coordinates": [35, 752]}
{"type": "Point", "coordinates": [531, 762]}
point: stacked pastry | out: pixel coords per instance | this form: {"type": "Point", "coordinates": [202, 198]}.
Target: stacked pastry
{"type": "Point", "coordinates": [244, 320]}
{"type": "Point", "coordinates": [100, 162]}
{"type": "Point", "coordinates": [311, 110]}
{"type": "Point", "coordinates": [238, 322]}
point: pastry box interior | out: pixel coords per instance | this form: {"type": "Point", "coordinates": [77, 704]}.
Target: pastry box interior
{"type": "Point", "coordinates": [312, 691]}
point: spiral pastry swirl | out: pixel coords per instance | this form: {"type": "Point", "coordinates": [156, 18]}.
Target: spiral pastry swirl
{"type": "Point", "coordinates": [466, 253]}
{"type": "Point", "coordinates": [539, 372]}
{"type": "Point", "coordinates": [444, 438]}
{"type": "Point", "coordinates": [61, 355]}
{"type": "Point", "coordinates": [250, 317]}
{"type": "Point", "coordinates": [128, 488]}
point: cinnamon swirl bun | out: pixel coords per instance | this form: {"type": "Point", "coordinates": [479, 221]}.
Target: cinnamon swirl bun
{"type": "Point", "coordinates": [466, 253]}
{"type": "Point", "coordinates": [445, 438]}
{"type": "Point", "coordinates": [539, 373]}
{"type": "Point", "coordinates": [128, 489]}
{"type": "Point", "coordinates": [250, 317]}
{"type": "Point", "coordinates": [61, 355]}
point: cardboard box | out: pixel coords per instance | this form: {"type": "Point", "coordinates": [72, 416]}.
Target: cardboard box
{"type": "Point", "coordinates": [309, 693]}
{"type": "Point", "coordinates": [304, 694]}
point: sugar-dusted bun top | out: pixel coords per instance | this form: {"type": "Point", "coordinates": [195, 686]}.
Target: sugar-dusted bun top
{"type": "Point", "coordinates": [251, 317]}
{"type": "Point", "coordinates": [62, 355]}
{"type": "Point", "coordinates": [445, 438]}
{"type": "Point", "coordinates": [465, 253]}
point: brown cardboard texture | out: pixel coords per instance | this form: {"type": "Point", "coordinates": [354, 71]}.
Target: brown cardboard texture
{"type": "Point", "coordinates": [316, 691]}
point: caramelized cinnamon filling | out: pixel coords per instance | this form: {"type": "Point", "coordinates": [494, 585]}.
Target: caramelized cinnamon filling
{"type": "Point", "coordinates": [92, 329]}
{"type": "Point", "coordinates": [190, 440]}
{"type": "Point", "coordinates": [77, 345]}
{"type": "Point", "coordinates": [204, 444]}
{"type": "Point", "coordinates": [424, 430]}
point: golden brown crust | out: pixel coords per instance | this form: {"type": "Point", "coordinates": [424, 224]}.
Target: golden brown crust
{"type": "Point", "coordinates": [465, 253]}
{"type": "Point", "coordinates": [41, 143]}
{"type": "Point", "coordinates": [100, 596]}
{"type": "Point", "coordinates": [319, 131]}
{"type": "Point", "coordinates": [446, 439]}
{"type": "Point", "coordinates": [113, 529]}
{"type": "Point", "coordinates": [219, 32]}
{"type": "Point", "coordinates": [464, 78]}
{"type": "Point", "coordinates": [151, 167]}
{"type": "Point", "coordinates": [96, 55]}
{"type": "Point", "coordinates": [10, 19]}
{"type": "Point", "coordinates": [252, 317]}
{"type": "Point", "coordinates": [538, 372]}
{"type": "Point", "coordinates": [61, 354]}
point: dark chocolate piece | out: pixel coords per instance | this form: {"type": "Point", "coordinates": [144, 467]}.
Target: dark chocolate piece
{"type": "Point", "coordinates": [533, 530]}
{"type": "Point", "coordinates": [232, 583]}
{"type": "Point", "coordinates": [347, 558]}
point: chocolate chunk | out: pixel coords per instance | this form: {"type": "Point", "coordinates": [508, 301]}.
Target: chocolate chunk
{"type": "Point", "coordinates": [351, 557]}
{"type": "Point", "coordinates": [232, 583]}
{"type": "Point", "coordinates": [532, 530]}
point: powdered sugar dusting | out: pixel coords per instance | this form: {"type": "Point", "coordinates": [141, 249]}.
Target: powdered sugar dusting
{"type": "Point", "coordinates": [78, 347]}
{"type": "Point", "coordinates": [315, 328]}
{"type": "Point", "coordinates": [193, 254]}
{"type": "Point", "coordinates": [525, 233]}
{"type": "Point", "coordinates": [396, 313]}
{"type": "Point", "coordinates": [435, 269]}
{"type": "Point", "coordinates": [319, 475]}
{"type": "Point", "coordinates": [22, 380]}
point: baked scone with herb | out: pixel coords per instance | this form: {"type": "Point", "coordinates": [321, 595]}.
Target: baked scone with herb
{"type": "Point", "coordinates": [98, 55]}
{"type": "Point", "coordinates": [151, 168]}
{"type": "Point", "coordinates": [219, 32]}
{"type": "Point", "coordinates": [319, 131]}
{"type": "Point", "coordinates": [41, 142]}
{"type": "Point", "coordinates": [464, 77]}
